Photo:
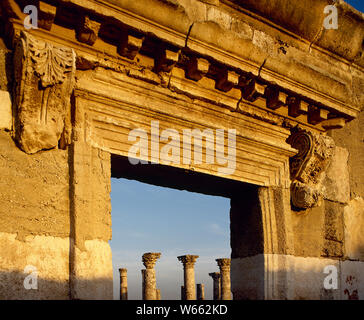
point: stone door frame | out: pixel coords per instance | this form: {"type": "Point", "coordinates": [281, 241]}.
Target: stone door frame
{"type": "Point", "coordinates": [104, 105]}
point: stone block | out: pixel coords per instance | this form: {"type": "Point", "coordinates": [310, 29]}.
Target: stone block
{"type": "Point", "coordinates": [334, 224]}
{"type": "Point", "coordinates": [219, 17]}
{"type": "Point", "coordinates": [309, 228]}
{"type": "Point", "coordinates": [337, 182]}
{"type": "Point", "coordinates": [353, 228]}
{"type": "Point", "coordinates": [5, 110]}
{"type": "Point", "coordinates": [242, 29]}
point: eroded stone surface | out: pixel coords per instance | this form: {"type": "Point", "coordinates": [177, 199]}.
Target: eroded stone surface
{"type": "Point", "coordinates": [6, 117]}
{"type": "Point", "coordinates": [354, 224]}
{"type": "Point", "coordinates": [44, 77]}
{"type": "Point", "coordinates": [336, 183]}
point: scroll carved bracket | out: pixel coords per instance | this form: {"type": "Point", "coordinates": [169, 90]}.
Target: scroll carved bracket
{"type": "Point", "coordinates": [44, 80]}
{"type": "Point", "coordinates": [307, 167]}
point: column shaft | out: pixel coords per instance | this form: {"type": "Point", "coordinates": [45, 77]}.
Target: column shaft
{"type": "Point", "coordinates": [123, 284]}
{"type": "Point", "coordinates": [149, 284]}
{"type": "Point", "coordinates": [200, 291]}
{"type": "Point", "coordinates": [216, 285]}
{"type": "Point", "coordinates": [149, 259]}
{"type": "Point", "coordinates": [143, 284]}
{"type": "Point", "coordinates": [190, 286]}
{"type": "Point", "coordinates": [189, 276]}
{"type": "Point", "coordinates": [224, 265]}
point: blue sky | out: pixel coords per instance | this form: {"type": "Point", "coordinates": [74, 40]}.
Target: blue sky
{"type": "Point", "coordinates": [358, 4]}
{"type": "Point", "coordinates": [147, 218]}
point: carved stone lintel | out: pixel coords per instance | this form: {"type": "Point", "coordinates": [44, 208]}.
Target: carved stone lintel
{"type": "Point", "coordinates": [150, 258]}
{"type": "Point", "coordinates": [197, 68]}
{"type": "Point", "coordinates": [44, 80]}
{"type": "Point", "coordinates": [307, 167]}
{"type": "Point", "coordinates": [47, 14]}
{"type": "Point", "coordinates": [227, 80]}
{"type": "Point", "coordinates": [88, 30]}
{"type": "Point", "coordinates": [129, 46]}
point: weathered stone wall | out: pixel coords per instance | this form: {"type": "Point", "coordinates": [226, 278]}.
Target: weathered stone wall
{"type": "Point", "coordinates": [351, 140]}
{"type": "Point", "coordinates": [41, 216]}
{"type": "Point", "coordinates": [35, 221]}
{"type": "Point", "coordinates": [331, 233]}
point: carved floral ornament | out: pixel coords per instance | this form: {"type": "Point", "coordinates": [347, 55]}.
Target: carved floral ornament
{"type": "Point", "coordinates": [188, 260]}
{"type": "Point", "coordinates": [307, 167]}
{"type": "Point", "coordinates": [51, 63]}
{"type": "Point", "coordinates": [44, 80]}
{"type": "Point", "coordinates": [149, 259]}
{"type": "Point", "coordinates": [224, 264]}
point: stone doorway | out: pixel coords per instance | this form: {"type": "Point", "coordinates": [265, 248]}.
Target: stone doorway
{"type": "Point", "coordinates": [179, 179]}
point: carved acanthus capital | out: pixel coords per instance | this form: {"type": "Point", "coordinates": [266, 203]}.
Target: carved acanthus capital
{"type": "Point", "coordinates": [215, 275]}
{"type": "Point", "coordinates": [188, 260]}
{"type": "Point", "coordinates": [307, 167]}
{"type": "Point", "coordinates": [44, 80]}
{"type": "Point", "coordinates": [224, 264]}
{"type": "Point", "coordinates": [150, 258]}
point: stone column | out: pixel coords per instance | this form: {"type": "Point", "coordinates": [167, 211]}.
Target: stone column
{"type": "Point", "coordinates": [123, 284]}
{"type": "Point", "coordinates": [189, 275]}
{"type": "Point", "coordinates": [158, 294]}
{"type": "Point", "coordinates": [149, 260]}
{"type": "Point", "coordinates": [143, 284]}
{"type": "Point", "coordinates": [224, 265]}
{"type": "Point", "coordinates": [200, 291]}
{"type": "Point", "coordinates": [216, 277]}
{"type": "Point", "coordinates": [183, 296]}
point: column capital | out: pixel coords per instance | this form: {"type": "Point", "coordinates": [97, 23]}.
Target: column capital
{"type": "Point", "coordinates": [188, 260]}
{"type": "Point", "coordinates": [123, 271]}
{"type": "Point", "coordinates": [215, 275]}
{"type": "Point", "coordinates": [224, 263]}
{"type": "Point", "coordinates": [150, 258]}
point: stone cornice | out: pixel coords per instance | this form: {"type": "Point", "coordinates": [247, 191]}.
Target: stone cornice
{"type": "Point", "coordinates": [182, 42]}
{"type": "Point", "coordinates": [346, 41]}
